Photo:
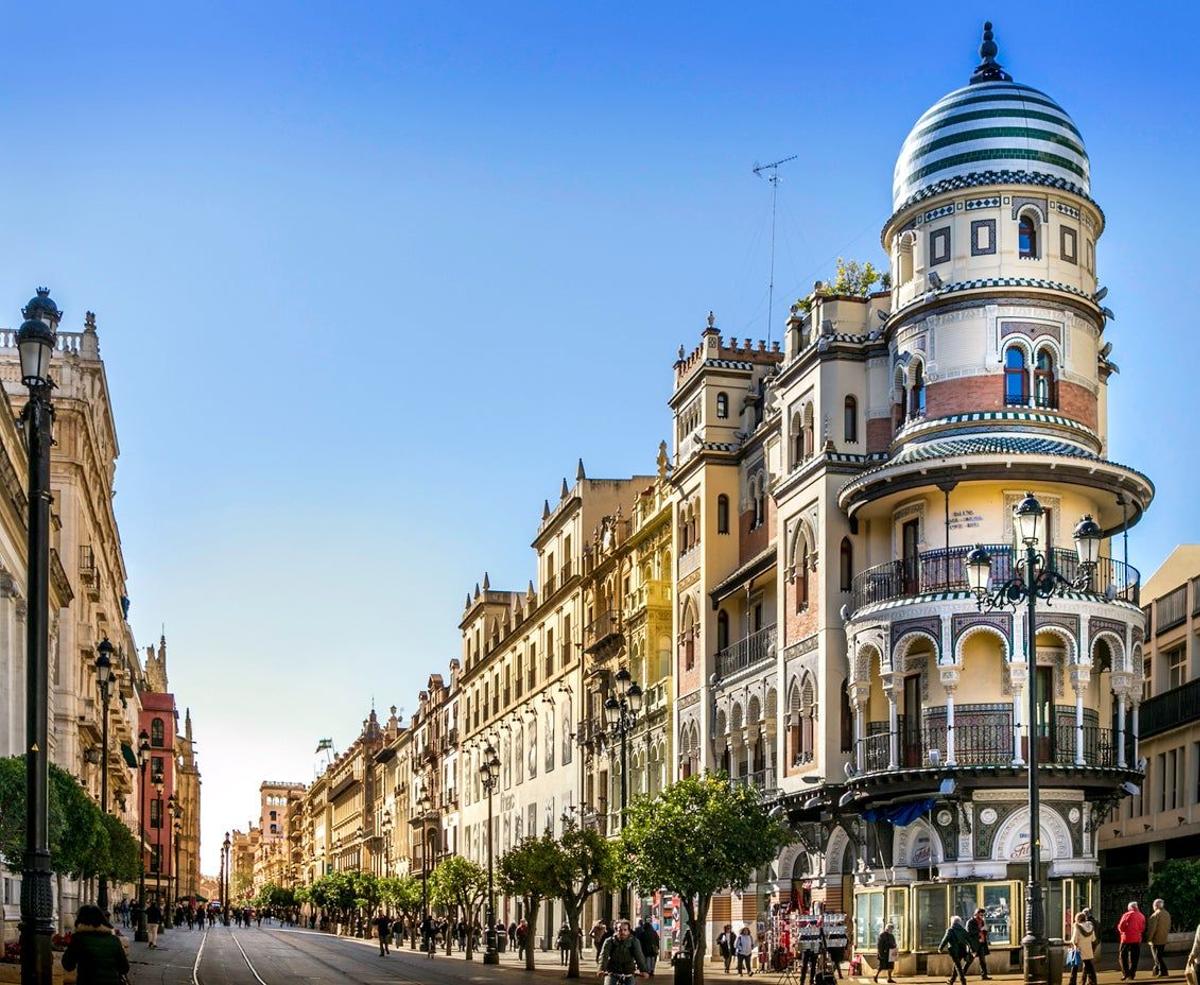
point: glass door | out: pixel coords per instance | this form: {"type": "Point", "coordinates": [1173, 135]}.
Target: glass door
{"type": "Point", "coordinates": [910, 563]}
{"type": "Point", "coordinates": [910, 731]}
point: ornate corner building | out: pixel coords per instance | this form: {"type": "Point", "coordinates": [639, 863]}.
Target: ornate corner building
{"type": "Point", "coordinates": [828, 649]}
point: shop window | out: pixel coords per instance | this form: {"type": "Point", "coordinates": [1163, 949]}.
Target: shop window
{"type": "Point", "coordinates": [869, 919]}
{"type": "Point", "coordinates": [933, 916]}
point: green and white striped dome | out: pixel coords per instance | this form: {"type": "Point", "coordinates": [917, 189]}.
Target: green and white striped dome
{"type": "Point", "coordinates": [990, 132]}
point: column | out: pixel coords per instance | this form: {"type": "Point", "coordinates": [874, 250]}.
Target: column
{"type": "Point", "coordinates": [1080, 677]}
{"type": "Point", "coordinates": [858, 707]}
{"type": "Point", "coordinates": [889, 686]}
{"type": "Point", "coordinates": [1134, 725]}
{"type": "Point", "coordinates": [949, 677]}
{"type": "Point", "coordinates": [1121, 729]}
{"type": "Point", "coordinates": [1018, 673]}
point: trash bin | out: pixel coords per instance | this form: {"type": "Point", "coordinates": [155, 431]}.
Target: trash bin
{"type": "Point", "coordinates": [682, 963]}
{"type": "Point", "coordinates": [1057, 956]}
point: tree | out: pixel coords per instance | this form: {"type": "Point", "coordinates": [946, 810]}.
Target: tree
{"type": "Point", "coordinates": [403, 894]}
{"type": "Point", "coordinates": [698, 836]}
{"type": "Point", "coordinates": [124, 855]}
{"type": "Point", "coordinates": [850, 278]}
{"type": "Point", "coordinates": [459, 882]}
{"type": "Point", "coordinates": [527, 870]}
{"type": "Point", "coordinates": [1178, 882]}
{"type": "Point", "coordinates": [584, 862]}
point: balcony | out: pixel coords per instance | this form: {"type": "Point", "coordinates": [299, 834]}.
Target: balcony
{"type": "Point", "coordinates": [650, 595]}
{"type": "Point", "coordinates": [989, 744]}
{"type": "Point", "coordinates": [756, 648]}
{"type": "Point", "coordinates": [761, 780]}
{"type": "Point", "coordinates": [1171, 709]}
{"type": "Point", "coordinates": [604, 628]}
{"type": "Point", "coordinates": [945, 571]}
{"type": "Point", "coordinates": [1170, 610]}
{"type": "Point", "coordinates": [689, 561]}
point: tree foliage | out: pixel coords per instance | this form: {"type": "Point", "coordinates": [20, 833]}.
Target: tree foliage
{"type": "Point", "coordinates": [851, 278]}
{"type": "Point", "coordinates": [583, 863]}
{"type": "Point", "coordinates": [459, 882]}
{"type": "Point", "coordinates": [698, 836]}
{"type": "Point", "coordinates": [1178, 882]}
{"type": "Point", "coordinates": [528, 870]}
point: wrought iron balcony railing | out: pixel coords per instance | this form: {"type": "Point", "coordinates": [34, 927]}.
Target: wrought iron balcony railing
{"type": "Point", "coordinates": [746, 652]}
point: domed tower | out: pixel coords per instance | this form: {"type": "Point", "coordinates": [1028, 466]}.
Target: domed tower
{"type": "Point", "coordinates": [992, 384]}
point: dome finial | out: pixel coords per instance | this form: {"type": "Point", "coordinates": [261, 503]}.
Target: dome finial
{"type": "Point", "coordinates": [989, 70]}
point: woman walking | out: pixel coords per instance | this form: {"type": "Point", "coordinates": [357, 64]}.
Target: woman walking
{"type": "Point", "coordinates": [1085, 942]}
{"type": "Point", "coordinates": [95, 953]}
{"type": "Point", "coordinates": [744, 949]}
{"type": "Point", "coordinates": [886, 952]}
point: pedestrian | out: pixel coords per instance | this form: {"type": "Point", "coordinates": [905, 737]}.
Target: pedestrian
{"type": "Point", "coordinates": [725, 945]}
{"type": "Point", "coordinates": [1130, 929]}
{"type": "Point", "coordinates": [886, 952]}
{"type": "Point", "coordinates": [1085, 943]}
{"type": "Point", "coordinates": [95, 953]}
{"type": "Point", "coordinates": [743, 948]}
{"type": "Point", "coordinates": [621, 954]}
{"type": "Point", "coordinates": [956, 942]}
{"type": "Point", "coordinates": [1190, 971]}
{"type": "Point", "coordinates": [383, 927]}
{"type": "Point", "coordinates": [522, 938]}
{"type": "Point", "coordinates": [563, 943]}
{"type": "Point", "coordinates": [153, 919]}
{"type": "Point", "coordinates": [651, 945]}
{"type": "Point", "coordinates": [1158, 928]}
{"type": "Point", "coordinates": [978, 932]}
{"type": "Point", "coordinates": [512, 935]}
{"type": "Point", "coordinates": [599, 933]}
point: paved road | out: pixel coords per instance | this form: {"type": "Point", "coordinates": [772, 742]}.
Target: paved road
{"type": "Point", "coordinates": [270, 955]}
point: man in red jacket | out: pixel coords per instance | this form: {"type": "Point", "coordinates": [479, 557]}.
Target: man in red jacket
{"type": "Point", "coordinates": [1130, 928]}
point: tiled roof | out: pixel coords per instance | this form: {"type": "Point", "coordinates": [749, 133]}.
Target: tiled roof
{"type": "Point", "coordinates": [1000, 177]}
{"type": "Point", "coordinates": [988, 445]}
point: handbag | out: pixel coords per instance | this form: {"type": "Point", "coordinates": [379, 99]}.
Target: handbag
{"type": "Point", "coordinates": [893, 955]}
{"type": "Point", "coordinates": [1074, 959]}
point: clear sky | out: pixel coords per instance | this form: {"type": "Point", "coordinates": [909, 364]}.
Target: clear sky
{"type": "Point", "coordinates": [370, 277]}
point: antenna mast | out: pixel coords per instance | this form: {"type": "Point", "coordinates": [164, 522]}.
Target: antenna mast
{"type": "Point", "coordinates": [773, 167]}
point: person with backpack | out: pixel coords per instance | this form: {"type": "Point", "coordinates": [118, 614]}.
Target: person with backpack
{"type": "Point", "coordinates": [648, 937]}
{"type": "Point", "coordinates": [95, 953]}
{"type": "Point", "coordinates": [563, 942]}
{"type": "Point", "coordinates": [957, 943]}
{"type": "Point", "coordinates": [1085, 943]}
{"type": "Point", "coordinates": [621, 956]}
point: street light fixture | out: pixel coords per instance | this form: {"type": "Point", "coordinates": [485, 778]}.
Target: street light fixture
{"type": "Point", "coordinates": [36, 340]}
{"type": "Point", "coordinates": [157, 782]}
{"type": "Point", "coordinates": [489, 775]}
{"type": "Point", "coordinates": [424, 806]}
{"type": "Point", "coordinates": [104, 653]}
{"type": "Point", "coordinates": [177, 828]}
{"type": "Point", "coordinates": [140, 934]}
{"type": "Point", "coordinates": [228, 862]}
{"type": "Point", "coordinates": [621, 711]}
{"type": "Point", "coordinates": [172, 813]}
{"type": "Point", "coordinates": [1033, 578]}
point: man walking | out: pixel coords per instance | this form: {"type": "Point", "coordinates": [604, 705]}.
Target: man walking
{"type": "Point", "coordinates": [977, 931]}
{"type": "Point", "coordinates": [725, 944]}
{"type": "Point", "coordinates": [1158, 927]}
{"type": "Point", "coordinates": [621, 954]}
{"type": "Point", "coordinates": [383, 927]}
{"type": "Point", "coordinates": [958, 944]}
{"type": "Point", "coordinates": [1130, 929]}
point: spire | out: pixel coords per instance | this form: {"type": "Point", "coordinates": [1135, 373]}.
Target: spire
{"type": "Point", "coordinates": [187, 723]}
{"type": "Point", "coordinates": [989, 70]}
{"type": "Point", "coordinates": [565, 491]}
{"type": "Point", "coordinates": [580, 475]}
{"type": "Point", "coordinates": [487, 582]}
{"type": "Point", "coordinates": [545, 509]}
{"type": "Point", "coordinates": [468, 605]}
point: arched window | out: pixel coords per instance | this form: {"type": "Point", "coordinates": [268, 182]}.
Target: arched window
{"type": "Point", "coordinates": [802, 575]}
{"type": "Point", "coordinates": [722, 629]}
{"type": "Point", "coordinates": [1016, 381]}
{"type": "Point", "coordinates": [1027, 237]}
{"type": "Point", "coordinates": [809, 432]}
{"type": "Point", "coordinates": [797, 440]}
{"type": "Point", "coordinates": [904, 260]}
{"type": "Point", "coordinates": [851, 419]}
{"type": "Point", "coordinates": [760, 500]}
{"type": "Point", "coordinates": [157, 734]}
{"type": "Point", "coordinates": [846, 564]}
{"type": "Point", "coordinates": [722, 405]}
{"type": "Point", "coordinates": [1045, 389]}
{"type": "Point", "coordinates": [722, 514]}
{"type": "Point", "coordinates": [917, 394]}
{"type": "Point", "coordinates": [900, 398]}
{"type": "Point", "coordinates": [847, 721]}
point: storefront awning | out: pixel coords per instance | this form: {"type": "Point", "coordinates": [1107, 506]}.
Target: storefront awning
{"type": "Point", "coordinates": [129, 754]}
{"type": "Point", "coordinates": [900, 814]}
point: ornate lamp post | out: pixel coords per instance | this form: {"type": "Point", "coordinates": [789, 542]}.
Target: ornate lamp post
{"type": "Point", "coordinates": [1033, 577]}
{"type": "Point", "coordinates": [225, 894]}
{"type": "Point", "coordinates": [620, 714]}
{"type": "Point", "coordinates": [177, 825]}
{"type": "Point", "coordinates": [168, 907]}
{"type": "Point", "coordinates": [103, 678]}
{"type": "Point", "coordinates": [140, 934]}
{"type": "Point", "coordinates": [424, 806]}
{"type": "Point", "coordinates": [36, 340]}
{"type": "Point", "coordinates": [489, 775]}
{"type": "Point", "coordinates": [157, 783]}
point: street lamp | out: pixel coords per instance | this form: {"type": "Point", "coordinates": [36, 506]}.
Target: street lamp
{"type": "Point", "coordinates": [140, 934]}
{"type": "Point", "coordinates": [228, 864]}
{"type": "Point", "coordinates": [157, 781]}
{"type": "Point", "coordinates": [177, 828]}
{"type": "Point", "coordinates": [1033, 578]}
{"type": "Point", "coordinates": [104, 653]}
{"type": "Point", "coordinates": [489, 775]}
{"type": "Point", "coordinates": [36, 339]}
{"type": "Point", "coordinates": [621, 711]}
{"type": "Point", "coordinates": [424, 806]}
{"type": "Point", "coordinates": [172, 809]}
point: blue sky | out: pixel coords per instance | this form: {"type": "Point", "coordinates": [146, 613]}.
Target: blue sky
{"type": "Point", "coordinates": [370, 277]}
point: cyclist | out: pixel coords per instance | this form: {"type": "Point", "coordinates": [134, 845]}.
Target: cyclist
{"type": "Point", "coordinates": [621, 957]}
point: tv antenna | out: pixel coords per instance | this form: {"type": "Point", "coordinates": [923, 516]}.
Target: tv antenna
{"type": "Point", "coordinates": [773, 178]}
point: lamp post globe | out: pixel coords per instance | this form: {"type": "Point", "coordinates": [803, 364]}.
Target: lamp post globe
{"type": "Point", "coordinates": [1027, 518]}
{"type": "Point", "coordinates": [1087, 537]}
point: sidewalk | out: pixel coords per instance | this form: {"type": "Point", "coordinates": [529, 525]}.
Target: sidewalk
{"type": "Point", "coordinates": [168, 964]}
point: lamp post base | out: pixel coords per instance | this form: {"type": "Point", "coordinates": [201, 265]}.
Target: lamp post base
{"type": "Point", "coordinates": [1035, 955]}
{"type": "Point", "coordinates": [141, 935]}
{"type": "Point", "coordinates": [491, 957]}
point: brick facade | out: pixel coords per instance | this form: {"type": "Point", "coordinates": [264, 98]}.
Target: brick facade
{"type": "Point", "coordinates": [979, 393]}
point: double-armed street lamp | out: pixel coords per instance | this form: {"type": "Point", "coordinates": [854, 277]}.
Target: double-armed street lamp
{"type": "Point", "coordinates": [228, 861]}
{"type": "Point", "coordinates": [140, 934]}
{"type": "Point", "coordinates": [424, 806]}
{"type": "Point", "coordinates": [36, 341]}
{"type": "Point", "coordinates": [489, 775]}
{"type": "Point", "coordinates": [621, 711]}
{"type": "Point", "coordinates": [177, 831]}
{"type": "Point", "coordinates": [1032, 578]}
{"type": "Point", "coordinates": [104, 652]}
{"type": "Point", "coordinates": [172, 813]}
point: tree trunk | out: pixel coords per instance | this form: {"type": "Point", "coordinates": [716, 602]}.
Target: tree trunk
{"type": "Point", "coordinates": [572, 912]}
{"type": "Point", "coordinates": [699, 918]}
{"type": "Point", "coordinates": [532, 904]}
